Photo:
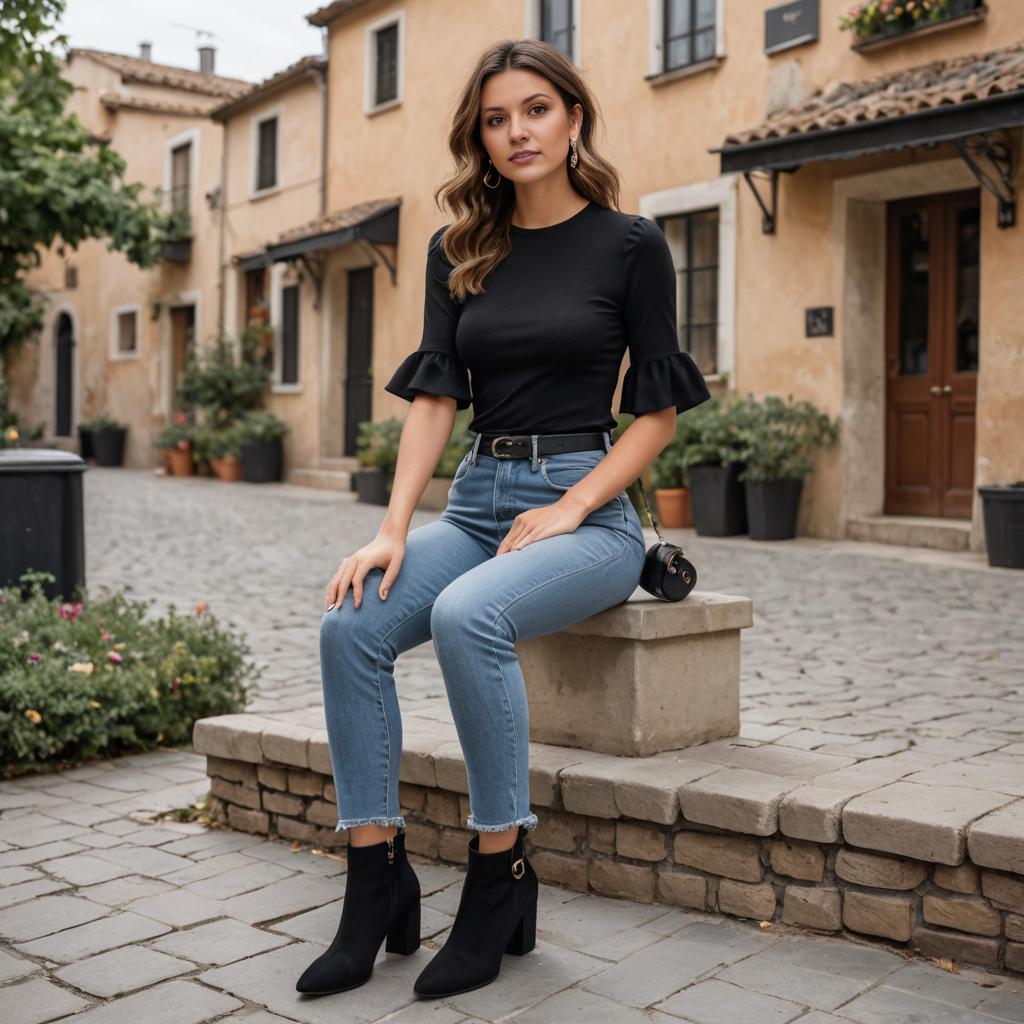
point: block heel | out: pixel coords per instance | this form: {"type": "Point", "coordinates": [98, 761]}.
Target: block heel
{"type": "Point", "coordinates": [404, 934]}
{"type": "Point", "coordinates": [525, 934]}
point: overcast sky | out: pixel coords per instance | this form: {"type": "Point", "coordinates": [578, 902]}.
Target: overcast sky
{"type": "Point", "coordinates": [253, 38]}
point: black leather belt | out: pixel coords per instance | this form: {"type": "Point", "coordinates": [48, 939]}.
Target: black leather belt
{"type": "Point", "coordinates": [520, 446]}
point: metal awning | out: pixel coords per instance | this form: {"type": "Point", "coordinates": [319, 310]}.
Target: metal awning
{"type": "Point", "coordinates": [375, 222]}
{"type": "Point", "coordinates": [968, 100]}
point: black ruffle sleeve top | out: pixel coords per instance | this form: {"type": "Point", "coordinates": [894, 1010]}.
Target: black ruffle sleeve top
{"type": "Point", "coordinates": [543, 344]}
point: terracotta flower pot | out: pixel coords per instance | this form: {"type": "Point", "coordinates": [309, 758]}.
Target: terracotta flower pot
{"type": "Point", "coordinates": [674, 508]}
{"type": "Point", "coordinates": [228, 468]}
{"type": "Point", "coordinates": [180, 462]}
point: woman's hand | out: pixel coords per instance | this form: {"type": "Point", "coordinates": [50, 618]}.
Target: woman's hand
{"type": "Point", "coordinates": [546, 521]}
{"type": "Point", "coordinates": [383, 552]}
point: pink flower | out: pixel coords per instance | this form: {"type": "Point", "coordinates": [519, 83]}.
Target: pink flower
{"type": "Point", "coordinates": [105, 635]}
{"type": "Point", "coordinates": [180, 418]}
{"type": "Point", "coordinates": [115, 657]}
{"type": "Point", "coordinates": [71, 611]}
{"type": "Point", "coordinates": [35, 658]}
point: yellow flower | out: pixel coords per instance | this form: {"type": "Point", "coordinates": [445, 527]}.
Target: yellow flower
{"type": "Point", "coordinates": [154, 693]}
{"type": "Point", "coordinates": [33, 716]}
{"type": "Point", "coordinates": [12, 434]}
{"type": "Point", "coordinates": [86, 667]}
{"type": "Point", "coordinates": [119, 647]}
{"type": "Point", "coordinates": [95, 704]}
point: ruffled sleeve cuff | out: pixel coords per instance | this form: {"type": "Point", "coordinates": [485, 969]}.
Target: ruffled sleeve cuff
{"type": "Point", "coordinates": [671, 379]}
{"type": "Point", "coordinates": [437, 373]}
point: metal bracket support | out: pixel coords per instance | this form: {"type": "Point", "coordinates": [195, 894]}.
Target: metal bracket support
{"type": "Point", "coordinates": [768, 212]}
{"type": "Point", "coordinates": [1001, 182]}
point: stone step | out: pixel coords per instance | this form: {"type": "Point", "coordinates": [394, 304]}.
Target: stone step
{"type": "Point", "coordinates": [912, 531]}
{"type": "Point", "coordinates": [326, 479]}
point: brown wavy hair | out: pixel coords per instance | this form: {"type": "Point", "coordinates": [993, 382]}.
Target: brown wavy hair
{"type": "Point", "coordinates": [478, 238]}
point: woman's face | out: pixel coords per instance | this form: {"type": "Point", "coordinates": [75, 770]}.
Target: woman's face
{"type": "Point", "coordinates": [520, 111]}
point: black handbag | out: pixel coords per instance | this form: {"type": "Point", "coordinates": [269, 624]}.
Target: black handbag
{"type": "Point", "coordinates": [667, 574]}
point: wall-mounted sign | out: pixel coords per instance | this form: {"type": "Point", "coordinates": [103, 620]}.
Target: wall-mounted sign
{"type": "Point", "coordinates": [818, 322]}
{"type": "Point", "coordinates": [790, 25]}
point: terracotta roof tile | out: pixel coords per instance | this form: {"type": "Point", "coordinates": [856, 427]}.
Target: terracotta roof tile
{"type": "Point", "coordinates": [337, 220]}
{"type": "Point", "coordinates": [268, 85]}
{"type": "Point", "coordinates": [955, 80]}
{"type": "Point", "coordinates": [136, 69]}
{"type": "Point", "coordinates": [122, 101]}
{"type": "Point", "coordinates": [329, 12]}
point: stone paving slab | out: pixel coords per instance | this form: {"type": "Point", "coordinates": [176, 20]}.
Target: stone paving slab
{"type": "Point", "coordinates": [102, 953]}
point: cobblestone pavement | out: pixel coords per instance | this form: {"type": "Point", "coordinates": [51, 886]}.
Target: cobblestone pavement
{"type": "Point", "coordinates": [109, 918]}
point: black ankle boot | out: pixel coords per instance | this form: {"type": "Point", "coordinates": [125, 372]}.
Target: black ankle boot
{"type": "Point", "coordinates": [497, 914]}
{"type": "Point", "coordinates": [382, 898]}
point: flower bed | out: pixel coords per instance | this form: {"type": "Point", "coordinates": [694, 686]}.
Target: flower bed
{"type": "Point", "coordinates": [94, 678]}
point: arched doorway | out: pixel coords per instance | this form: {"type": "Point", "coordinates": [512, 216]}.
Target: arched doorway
{"type": "Point", "coordinates": [65, 345]}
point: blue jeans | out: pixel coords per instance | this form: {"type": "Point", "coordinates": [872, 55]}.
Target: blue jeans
{"type": "Point", "coordinates": [451, 588]}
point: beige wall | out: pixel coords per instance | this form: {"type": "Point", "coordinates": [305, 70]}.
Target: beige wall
{"type": "Point", "coordinates": [135, 390]}
{"type": "Point", "coordinates": [659, 136]}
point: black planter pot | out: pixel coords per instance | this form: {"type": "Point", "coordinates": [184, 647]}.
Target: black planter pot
{"type": "Point", "coordinates": [262, 461]}
{"type": "Point", "coordinates": [1003, 509]}
{"type": "Point", "coordinates": [85, 443]}
{"type": "Point", "coordinates": [719, 504]}
{"type": "Point", "coordinates": [373, 485]}
{"type": "Point", "coordinates": [108, 446]}
{"type": "Point", "coordinates": [772, 506]}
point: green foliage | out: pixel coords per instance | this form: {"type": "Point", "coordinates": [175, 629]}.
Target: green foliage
{"type": "Point", "coordinates": [260, 426]}
{"type": "Point", "coordinates": [872, 17]}
{"type": "Point", "coordinates": [221, 384]}
{"type": "Point", "coordinates": [377, 443]}
{"type": "Point", "coordinates": [779, 436]}
{"type": "Point", "coordinates": [715, 432]}
{"type": "Point", "coordinates": [102, 423]}
{"type": "Point", "coordinates": [11, 431]}
{"type": "Point", "coordinates": [180, 434]}
{"type": "Point", "coordinates": [95, 677]}
{"type": "Point", "coordinates": [57, 181]}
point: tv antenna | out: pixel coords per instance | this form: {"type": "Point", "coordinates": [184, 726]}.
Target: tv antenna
{"type": "Point", "coordinates": [200, 32]}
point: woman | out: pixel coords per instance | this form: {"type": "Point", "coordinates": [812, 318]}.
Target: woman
{"type": "Point", "coordinates": [538, 286]}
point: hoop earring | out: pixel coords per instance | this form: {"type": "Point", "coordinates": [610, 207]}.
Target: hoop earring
{"type": "Point", "coordinates": [488, 171]}
{"type": "Point", "coordinates": [573, 158]}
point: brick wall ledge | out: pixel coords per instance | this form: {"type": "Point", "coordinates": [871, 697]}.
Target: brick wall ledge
{"type": "Point", "coordinates": [938, 868]}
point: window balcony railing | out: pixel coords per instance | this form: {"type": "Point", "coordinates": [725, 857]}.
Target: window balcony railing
{"type": "Point", "coordinates": [880, 22]}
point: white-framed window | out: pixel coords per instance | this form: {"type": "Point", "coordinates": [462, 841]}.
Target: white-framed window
{"type": "Point", "coordinates": [181, 161]}
{"type": "Point", "coordinates": [125, 331]}
{"type": "Point", "coordinates": [286, 319]}
{"type": "Point", "coordinates": [384, 63]}
{"type": "Point", "coordinates": [686, 36]}
{"type": "Point", "coordinates": [699, 222]}
{"type": "Point", "coordinates": [265, 148]}
{"type": "Point", "coordinates": [556, 22]}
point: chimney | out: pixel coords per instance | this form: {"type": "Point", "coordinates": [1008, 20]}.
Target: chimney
{"type": "Point", "coordinates": [146, 51]}
{"type": "Point", "coordinates": [206, 60]}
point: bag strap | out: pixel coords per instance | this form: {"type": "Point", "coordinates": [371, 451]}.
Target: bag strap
{"type": "Point", "coordinates": [650, 515]}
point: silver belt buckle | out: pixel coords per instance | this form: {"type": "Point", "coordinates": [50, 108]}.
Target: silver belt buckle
{"type": "Point", "coordinates": [495, 441]}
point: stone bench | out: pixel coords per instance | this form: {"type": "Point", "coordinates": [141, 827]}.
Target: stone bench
{"type": "Point", "coordinates": [639, 678]}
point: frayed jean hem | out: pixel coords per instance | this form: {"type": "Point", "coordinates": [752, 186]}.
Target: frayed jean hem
{"type": "Point", "coordinates": [529, 822]}
{"type": "Point", "coordinates": [351, 822]}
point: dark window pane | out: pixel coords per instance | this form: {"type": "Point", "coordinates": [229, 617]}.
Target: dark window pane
{"type": "Point", "coordinates": [387, 64]}
{"type": "Point", "coordinates": [705, 238]}
{"type": "Point", "coordinates": [703, 346]}
{"type": "Point", "coordinates": [266, 174]}
{"type": "Point", "coordinates": [705, 14]}
{"type": "Point", "coordinates": [704, 296]}
{"type": "Point", "coordinates": [913, 299]}
{"type": "Point", "coordinates": [968, 266]}
{"type": "Point", "coordinates": [556, 24]}
{"type": "Point", "coordinates": [181, 183]}
{"type": "Point", "coordinates": [679, 51]}
{"type": "Point", "coordinates": [704, 45]}
{"type": "Point", "coordinates": [678, 16]}
{"type": "Point", "coordinates": [290, 334]}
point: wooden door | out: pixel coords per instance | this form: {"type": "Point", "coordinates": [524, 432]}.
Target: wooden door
{"type": "Point", "coordinates": [65, 374]}
{"type": "Point", "coordinates": [932, 314]}
{"type": "Point", "coordinates": [358, 383]}
{"type": "Point", "coordinates": [183, 329]}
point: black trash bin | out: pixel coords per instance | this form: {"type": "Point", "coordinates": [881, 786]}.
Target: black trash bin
{"type": "Point", "coordinates": [41, 526]}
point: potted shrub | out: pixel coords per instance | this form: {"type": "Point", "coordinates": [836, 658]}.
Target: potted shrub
{"type": "Point", "coordinates": [85, 429]}
{"type": "Point", "coordinates": [261, 439]}
{"type": "Point", "coordinates": [1003, 510]}
{"type": "Point", "coordinates": [225, 454]}
{"type": "Point", "coordinates": [779, 436]}
{"type": "Point", "coordinates": [377, 453]}
{"type": "Point", "coordinates": [175, 441]}
{"type": "Point", "coordinates": [671, 495]}
{"type": "Point", "coordinates": [108, 441]}
{"type": "Point", "coordinates": [439, 486]}
{"type": "Point", "coordinates": [714, 460]}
